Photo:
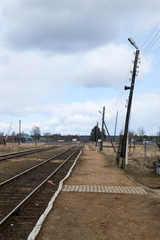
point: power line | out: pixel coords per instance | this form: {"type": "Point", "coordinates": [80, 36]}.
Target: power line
{"type": "Point", "coordinates": [149, 36]}
{"type": "Point", "coordinates": [152, 43]}
{"type": "Point", "coordinates": [151, 55]}
{"type": "Point", "coordinates": [121, 94]}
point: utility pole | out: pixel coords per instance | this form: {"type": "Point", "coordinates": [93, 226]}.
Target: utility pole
{"type": "Point", "coordinates": [101, 143]}
{"type": "Point", "coordinates": [109, 137]}
{"type": "Point", "coordinates": [96, 135]}
{"type": "Point", "coordinates": [115, 126]}
{"type": "Point", "coordinates": [122, 146]}
{"type": "Point", "coordinates": [129, 107]}
{"type": "Point", "coordinates": [19, 132]}
{"type": "Point", "coordinates": [126, 155]}
{"type": "Point", "coordinates": [19, 127]}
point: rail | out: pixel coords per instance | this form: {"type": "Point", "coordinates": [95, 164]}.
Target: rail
{"type": "Point", "coordinates": [19, 205]}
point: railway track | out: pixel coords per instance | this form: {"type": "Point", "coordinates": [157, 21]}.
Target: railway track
{"type": "Point", "coordinates": [23, 153]}
{"type": "Point", "coordinates": [36, 184]}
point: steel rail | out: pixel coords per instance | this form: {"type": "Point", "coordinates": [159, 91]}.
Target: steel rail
{"type": "Point", "coordinates": [30, 195]}
{"type": "Point", "coordinates": [35, 166]}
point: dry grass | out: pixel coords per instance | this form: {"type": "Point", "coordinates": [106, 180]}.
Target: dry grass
{"type": "Point", "coordinates": [140, 167]}
{"type": "Point", "coordinates": [15, 147]}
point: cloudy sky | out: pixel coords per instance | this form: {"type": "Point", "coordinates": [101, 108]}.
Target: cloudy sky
{"type": "Point", "coordinates": [62, 61]}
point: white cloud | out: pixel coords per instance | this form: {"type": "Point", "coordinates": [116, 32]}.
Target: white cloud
{"type": "Point", "coordinates": [145, 111]}
{"type": "Point", "coordinates": [30, 77]}
{"type": "Point", "coordinates": [80, 118]}
{"type": "Point", "coordinates": [104, 67]}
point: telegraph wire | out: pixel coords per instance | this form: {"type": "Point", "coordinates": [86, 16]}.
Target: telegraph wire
{"type": "Point", "coordinates": [152, 43]}
{"type": "Point", "coordinates": [149, 36]}
{"type": "Point", "coordinates": [152, 47]}
{"type": "Point", "coordinates": [121, 95]}
{"type": "Point", "coordinates": [151, 55]}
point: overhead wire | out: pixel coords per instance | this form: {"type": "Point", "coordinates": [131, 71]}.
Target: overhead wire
{"type": "Point", "coordinates": [151, 46]}
{"type": "Point", "coordinates": [149, 36]}
{"type": "Point", "coordinates": [151, 55]}
{"type": "Point", "coordinates": [152, 43]}
{"type": "Point", "coordinates": [121, 96]}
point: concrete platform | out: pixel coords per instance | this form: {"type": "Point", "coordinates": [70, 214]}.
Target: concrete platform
{"type": "Point", "coordinates": [99, 201]}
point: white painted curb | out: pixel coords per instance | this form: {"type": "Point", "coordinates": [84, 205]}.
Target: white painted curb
{"type": "Point", "coordinates": [38, 225]}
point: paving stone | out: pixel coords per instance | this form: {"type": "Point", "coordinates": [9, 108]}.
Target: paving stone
{"type": "Point", "coordinates": [104, 189]}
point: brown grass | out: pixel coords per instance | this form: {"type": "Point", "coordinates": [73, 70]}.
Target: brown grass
{"type": "Point", "coordinates": [140, 167]}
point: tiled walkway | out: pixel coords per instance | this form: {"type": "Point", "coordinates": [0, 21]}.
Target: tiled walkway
{"type": "Point", "coordinates": [103, 189]}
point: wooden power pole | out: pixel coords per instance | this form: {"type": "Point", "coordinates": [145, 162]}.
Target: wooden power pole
{"type": "Point", "coordinates": [122, 145]}
{"type": "Point", "coordinates": [102, 134]}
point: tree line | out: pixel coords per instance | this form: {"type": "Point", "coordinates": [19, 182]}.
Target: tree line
{"type": "Point", "coordinates": [36, 135]}
{"type": "Point", "coordinates": [138, 136]}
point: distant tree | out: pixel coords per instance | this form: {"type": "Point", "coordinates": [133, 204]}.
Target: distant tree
{"type": "Point", "coordinates": [47, 134]}
{"type": "Point", "coordinates": [13, 134]}
{"type": "Point", "coordinates": [132, 136]}
{"type": "Point", "coordinates": [121, 132]}
{"type": "Point", "coordinates": [56, 137]}
{"type": "Point", "coordinates": [141, 133]}
{"type": "Point", "coordinates": [35, 133]}
{"type": "Point", "coordinates": [94, 132]}
{"type": "Point", "coordinates": [158, 138]}
{"type": "Point", "coordinates": [1, 137]}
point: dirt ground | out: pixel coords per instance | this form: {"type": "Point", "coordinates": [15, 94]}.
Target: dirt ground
{"type": "Point", "coordinates": [95, 216]}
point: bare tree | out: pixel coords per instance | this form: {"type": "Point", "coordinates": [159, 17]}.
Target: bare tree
{"type": "Point", "coordinates": [141, 133]}
{"type": "Point", "coordinates": [35, 133]}
{"type": "Point", "coordinates": [47, 136]}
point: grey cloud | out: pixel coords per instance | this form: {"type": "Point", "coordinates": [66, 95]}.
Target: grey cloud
{"type": "Point", "coordinates": [59, 25]}
{"type": "Point", "coordinates": [70, 25]}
